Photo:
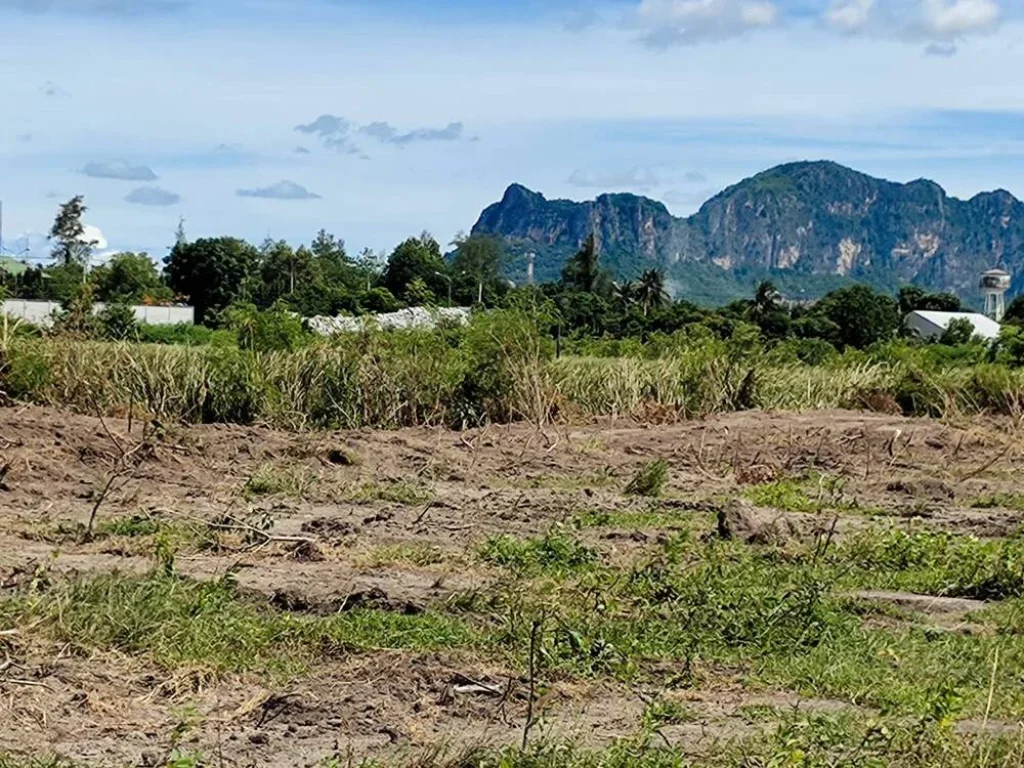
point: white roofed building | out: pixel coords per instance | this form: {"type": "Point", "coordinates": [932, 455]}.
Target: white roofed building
{"type": "Point", "coordinates": [931, 325]}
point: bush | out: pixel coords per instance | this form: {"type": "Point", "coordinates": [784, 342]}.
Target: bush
{"type": "Point", "coordinates": [117, 322]}
{"type": "Point", "coordinates": [185, 334]}
{"type": "Point", "coordinates": [271, 330]}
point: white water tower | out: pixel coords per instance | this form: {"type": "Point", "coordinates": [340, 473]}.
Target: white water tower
{"type": "Point", "coordinates": [994, 284]}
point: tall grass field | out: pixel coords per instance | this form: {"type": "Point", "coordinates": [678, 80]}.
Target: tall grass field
{"type": "Point", "coordinates": [500, 368]}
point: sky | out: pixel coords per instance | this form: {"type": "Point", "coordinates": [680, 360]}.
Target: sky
{"type": "Point", "coordinates": [379, 119]}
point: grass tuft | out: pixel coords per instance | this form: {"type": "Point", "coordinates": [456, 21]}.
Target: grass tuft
{"type": "Point", "coordinates": [649, 480]}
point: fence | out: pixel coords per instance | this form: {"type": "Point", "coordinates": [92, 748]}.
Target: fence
{"type": "Point", "coordinates": [41, 312]}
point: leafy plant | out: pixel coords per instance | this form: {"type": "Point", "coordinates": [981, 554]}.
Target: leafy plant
{"type": "Point", "coordinates": [649, 480]}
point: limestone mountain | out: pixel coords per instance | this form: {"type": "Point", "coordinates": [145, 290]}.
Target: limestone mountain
{"type": "Point", "coordinates": [810, 226]}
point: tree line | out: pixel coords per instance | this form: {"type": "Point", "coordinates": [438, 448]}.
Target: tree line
{"type": "Point", "coordinates": [227, 277]}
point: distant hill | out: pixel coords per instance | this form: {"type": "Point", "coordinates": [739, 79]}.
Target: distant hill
{"type": "Point", "coordinates": [809, 226]}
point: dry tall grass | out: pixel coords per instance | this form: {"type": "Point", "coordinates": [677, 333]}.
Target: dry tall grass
{"type": "Point", "coordinates": [455, 379]}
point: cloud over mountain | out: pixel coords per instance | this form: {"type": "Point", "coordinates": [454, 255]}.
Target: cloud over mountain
{"type": "Point", "coordinates": [118, 169]}
{"type": "Point", "coordinates": [152, 196]}
{"type": "Point", "coordinates": [282, 190]}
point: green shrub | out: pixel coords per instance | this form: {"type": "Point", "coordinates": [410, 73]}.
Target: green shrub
{"type": "Point", "coordinates": [649, 480]}
{"type": "Point", "coordinates": [271, 330]}
{"type": "Point", "coordinates": [117, 322]}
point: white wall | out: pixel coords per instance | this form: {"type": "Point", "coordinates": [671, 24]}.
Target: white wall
{"type": "Point", "coordinates": [41, 312]}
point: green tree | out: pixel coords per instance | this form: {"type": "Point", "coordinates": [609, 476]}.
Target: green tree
{"type": "Point", "coordinates": [418, 257]}
{"type": "Point", "coordinates": [861, 315]}
{"type": "Point", "coordinates": [130, 278]}
{"type": "Point", "coordinates": [766, 300]}
{"type": "Point", "coordinates": [582, 272]}
{"type": "Point", "coordinates": [625, 295]}
{"type": "Point", "coordinates": [912, 298]}
{"type": "Point", "coordinates": [1015, 312]}
{"type": "Point", "coordinates": [418, 294]}
{"type": "Point", "coordinates": [651, 291]}
{"type": "Point", "coordinates": [212, 272]}
{"type": "Point", "coordinates": [276, 328]}
{"type": "Point", "coordinates": [479, 257]}
{"type": "Point", "coordinates": [379, 300]}
{"type": "Point", "coordinates": [117, 322]}
{"type": "Point", "coordinates": [959, 331]}
{"type": "Point", "coordinates": [70, 245]}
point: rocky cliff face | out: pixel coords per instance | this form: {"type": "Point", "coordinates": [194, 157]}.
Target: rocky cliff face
{"type": "Point", "coordinates": [810, 225]}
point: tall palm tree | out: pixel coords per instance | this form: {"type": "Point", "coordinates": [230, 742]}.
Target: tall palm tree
{"type": "Point", "coordinates": [651, 290]}
{"type": "Point", "coordinates": [582, 271]}
{"type": "Point", "coordinates": [766, 299]}
{"type": "Point", "coordinates": [625, 294]}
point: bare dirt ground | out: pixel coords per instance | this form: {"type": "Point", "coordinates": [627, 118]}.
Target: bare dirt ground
{"type": "Point", "coordinates": [315, 521]}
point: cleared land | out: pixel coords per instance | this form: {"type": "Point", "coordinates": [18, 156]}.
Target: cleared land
{"type": "Point", "coordinates": [821, 588]}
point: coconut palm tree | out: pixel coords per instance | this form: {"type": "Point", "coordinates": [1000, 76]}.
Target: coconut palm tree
{"type": "Point", "coordinates": [625, 294]}
{"type": "Point", "coordinates": [766, 300]}
{"type": "Point", "coordinates": [651, 290]}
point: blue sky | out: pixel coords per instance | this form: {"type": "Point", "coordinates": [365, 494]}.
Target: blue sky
{"type": "Point", "coordinates": [377, 120]}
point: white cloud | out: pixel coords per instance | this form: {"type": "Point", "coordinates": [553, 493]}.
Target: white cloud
{"type": "Point", "coordinates": [685, 22]}
{"type": "Point", "coordinates": [119, 169]}
{"type": "Point", "coordinates": [282, 190]}
{"type": "Point", "coordinates": [92, 234]}
{"type": "Point", "coordinates": [761, 14]}
{"type": "Point", "coordinates": [850, 16]}
{"type": "Point", "coordinates": [932, 20]}
{"type": "Point", "coordinates": [950, 19]}
{"type": "Point", "coordinates": [388, 134]}
{"type": "Point", "coordinates": [152, 196]}
{"type": "Point", "coordinates": [634, 178]}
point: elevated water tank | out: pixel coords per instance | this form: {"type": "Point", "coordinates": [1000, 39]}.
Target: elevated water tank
{"type": "Point", "coordinates": [994, 285]}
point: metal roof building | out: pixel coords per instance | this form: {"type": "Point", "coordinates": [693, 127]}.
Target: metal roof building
{"type": "Point", "coordinates": [931, 325]}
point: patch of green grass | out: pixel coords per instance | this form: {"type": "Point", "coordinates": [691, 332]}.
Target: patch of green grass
{"type": "Point", "coordinates": [798, 741]}
{"type": "Point", "coordinates": [396, 492]}
{"type": "Point", "coordinates": [1014, 501]}
{"type": "Point", "coordinates": [649, 480]}
{"type": "Point", "coordinates": [269, 480]}
{"type": "Point", "coordinates": [935, 563]}
{"type": "Point", "coordinates": [138, 534]}
{"type": "Point", "coordinates": [781, 618]}
{"type": "Point", "coordinates": [810, 494]}
{"type": "Point", "coordinates": [556, 552]}
{"type": "Point", "coordinates": [788, 495]}
{"type": "Point", "coordinates": [178, 622]}
{"type": "Point", "coordinates": [129, 527]}
{"type": "Point", "coordinates": [661, 711]}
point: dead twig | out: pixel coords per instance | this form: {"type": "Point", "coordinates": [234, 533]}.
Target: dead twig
{"type": "Point", "coordinates": [536, 634]}
{"type": "Point", "coordinates": [987, 465]}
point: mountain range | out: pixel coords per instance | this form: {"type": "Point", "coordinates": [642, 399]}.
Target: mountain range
{"type": "Point", "coordinates": [808, 226]}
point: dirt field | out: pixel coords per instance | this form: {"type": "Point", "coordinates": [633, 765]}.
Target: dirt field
{"type": "Point", "coordinates": [313, 526]}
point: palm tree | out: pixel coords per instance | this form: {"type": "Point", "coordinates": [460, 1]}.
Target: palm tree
{"type": "Point", "coordinates": [625, 294]}
{"type": "Point", "coordinates": [582, 271]}
{"type": "Point", "coordinates": [766, 300]}
{"type": "Point", "coordinates": [651, 290]}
